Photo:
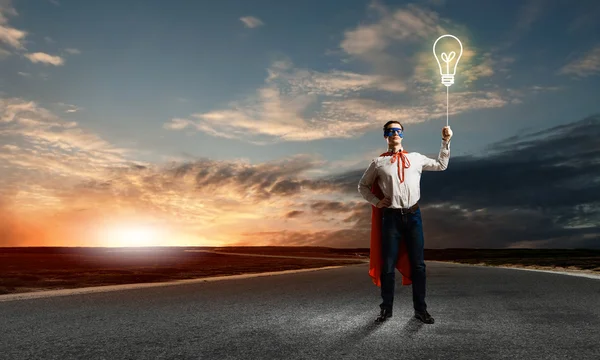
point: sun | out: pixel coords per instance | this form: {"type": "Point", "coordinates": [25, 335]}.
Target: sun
{"type": "Point", "coordinates": [137, 236]}
{"type": "Point", "coordinates": [133, 236]}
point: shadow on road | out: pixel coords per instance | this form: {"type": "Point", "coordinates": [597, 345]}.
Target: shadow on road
{"type": "Point", "coordinates": [355, 337]}
{"type": "Point", "coordinates": [412, 327]}
{"type": "Point", "coordinates": [358, 334]}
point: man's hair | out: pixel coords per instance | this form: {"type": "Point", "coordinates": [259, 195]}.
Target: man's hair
{"type": "Point", "coordinates": [392, 122]}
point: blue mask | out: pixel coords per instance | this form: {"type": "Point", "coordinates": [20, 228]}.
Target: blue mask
{"type": "Point", "coordinates": [392, 131]}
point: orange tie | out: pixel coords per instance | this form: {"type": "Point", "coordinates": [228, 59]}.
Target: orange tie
{"type": "Point", "coordinates": [401, 157]}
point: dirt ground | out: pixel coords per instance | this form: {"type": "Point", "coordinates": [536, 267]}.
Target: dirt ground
{"type": "Point", "coordinates": [38, 269]}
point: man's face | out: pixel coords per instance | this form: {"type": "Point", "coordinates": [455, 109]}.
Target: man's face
{"type": "Point", "coordinates": [393, 139]}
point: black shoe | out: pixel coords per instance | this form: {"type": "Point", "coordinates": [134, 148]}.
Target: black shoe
{"type": "Point", "coordinates": [384, 315]}
{"type": "Point", "coordinates": [424, 317]}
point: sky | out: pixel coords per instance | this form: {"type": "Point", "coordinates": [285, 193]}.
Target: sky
{"type": "Point", "coordinates": [180, 123]}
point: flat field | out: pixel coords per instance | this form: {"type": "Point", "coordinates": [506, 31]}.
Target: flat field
{"type": "Point", "coordinates": [51, 268]}
{"type": "Point", "coordinates": [37, 269]}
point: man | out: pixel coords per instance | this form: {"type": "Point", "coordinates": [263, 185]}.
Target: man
{"type": "Point", "coordinates": [391, 184]}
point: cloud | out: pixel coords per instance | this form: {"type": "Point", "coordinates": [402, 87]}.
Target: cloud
{"type": "Point", "coordinates": [586, 65]}
{"type": "Point", "coordinates": [270, 112]}
{"type": "Point", "coordinates": [552, 197]}
{"type": "Point", "coordinates": [409, 24]}
{"type": "Point", "coordinates": [296, 104]}
{"type": "Point", "coordinates": [328, 238]}
{"type": "Point", "coordinates": [40, 57]}
{"type": "Point", "coordinates": [303, 105]}
{"type": "Point", "coordinates": [9, 35]}
{"type": "Point", "coordinates": [544, 196]}
{"type": "Point", "coordinates": [321, 207]}
{"type": "Point", "coordinates": [293, 214]}
{"type": "Point", "coordinates": [54, 156]}
{"type": "Point", "coordinates": [73, 51]}
{"type": "Point", "coordinates": [392, 44]}
{"type": "Point", "coordinates": [177, 124]}
{"type": "Point", "coordinates": [22, 118]}
{"type": "Point", "coordinates": [251, 22]}
{"type": "Point", "coordinates": [6, 7]}
{"type": "Point", "coordinates": [472, 203]}
{"type": "Point", "coordinates": [69, 168]}
{"type": "Point", "coordinates": [538, 88]}
{"type": "Point", "coordinates": [337, 83]}
{"type": "Point", "coordinates": [12, 37]}
{"type": "Point", "coordinates": [69, 108]}
{"type": "Point", "coordinates": [15, 38]}
{"type": "Point", "coordinates": [426, 109]}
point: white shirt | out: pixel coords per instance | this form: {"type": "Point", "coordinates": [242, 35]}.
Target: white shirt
{"type": "Point", "coordinates": [407, 193]}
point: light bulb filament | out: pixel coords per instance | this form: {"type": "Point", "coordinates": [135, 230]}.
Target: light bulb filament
{"type": "Point", "coordinates": [447, 58]}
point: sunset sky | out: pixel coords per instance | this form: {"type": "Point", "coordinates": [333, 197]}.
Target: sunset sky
{"type": "Point", "coordinates": [211, 123]}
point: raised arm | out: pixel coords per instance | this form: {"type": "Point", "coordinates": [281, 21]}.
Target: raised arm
{"type": "Point", "coordinates": [366, 182]}
{"type": "Point", "coordinates": [441, 163]}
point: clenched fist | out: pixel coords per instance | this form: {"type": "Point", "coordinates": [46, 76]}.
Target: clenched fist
{"type": "Point", "coordinates": [446, 133]}
{"type": "Point", "coordinates": [385, 202]}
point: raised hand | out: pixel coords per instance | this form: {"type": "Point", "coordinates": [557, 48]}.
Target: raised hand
{"type": "Point", "coordinates": [446, 133]}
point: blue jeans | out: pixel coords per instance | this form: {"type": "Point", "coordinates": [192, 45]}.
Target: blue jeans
{"type": "Point", "coordinates": [398, 227]}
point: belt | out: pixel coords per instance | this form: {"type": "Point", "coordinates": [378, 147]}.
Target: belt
{"type": "Point", "coordinates": [409, 210]}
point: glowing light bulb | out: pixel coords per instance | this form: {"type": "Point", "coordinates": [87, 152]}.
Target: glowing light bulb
{"type": "Point", "coordinates": [450, 60]}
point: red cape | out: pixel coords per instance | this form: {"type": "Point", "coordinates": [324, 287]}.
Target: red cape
{"type": "Point", "coordinates": [403, 264]}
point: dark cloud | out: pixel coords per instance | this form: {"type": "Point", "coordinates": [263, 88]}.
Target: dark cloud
{"type": "Point", "coordinates": [321, 207]}
{"type": "Point", "coordinates": [346, 182]}
{"type": "Point", "coordinates": [360, 216]}
{"type": "Point", "coordinates": [293, 214]}
{"type": "Point", "coordinates": [555, 170]}
{"type": "Point", "coordinates": [286, 187]}
{"type": "Point", "coordinates": [542, 188]}
{"type": "Point", "coordinates": [263, 180]}
{"type": "Point", "coordinates": [535, 190]}
{"type": "Point", "coordinates": [255, 181]}
{"type": "Point", "coordinates": [500, 228]}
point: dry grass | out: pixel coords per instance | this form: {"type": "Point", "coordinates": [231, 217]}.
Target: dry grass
{"type": "Point", "coordinates": [549, 259]}
{"type": "Point", "coordinates": [571, 259]}
{"type": "Point", "coordinates": [51, 268]}
{"type": "Point", "coordinates": [304, 251]}
{"type": "Point", "coordinates": [35, 269]}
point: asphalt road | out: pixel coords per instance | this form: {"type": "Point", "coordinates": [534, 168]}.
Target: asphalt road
{"type": "Point", "coordinates": [480, 312]}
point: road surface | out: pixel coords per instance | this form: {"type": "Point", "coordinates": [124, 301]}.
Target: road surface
{"type": "Point", "coordinates": [480, 312]}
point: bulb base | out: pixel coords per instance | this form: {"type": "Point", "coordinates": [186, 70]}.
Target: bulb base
{"type": "Point", "coordinates": [447, 80]}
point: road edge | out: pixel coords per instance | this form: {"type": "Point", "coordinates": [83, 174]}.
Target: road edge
{"type": "Point", "coordinates": [572, 273]}
{"type": "Point", "coordinates": [107, 288]}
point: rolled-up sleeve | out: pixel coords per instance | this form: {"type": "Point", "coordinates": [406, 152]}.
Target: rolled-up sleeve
{"type": "Point", "coordinates": [441, 163]}
{"type": "Point", "coordinates": [366, 182]}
